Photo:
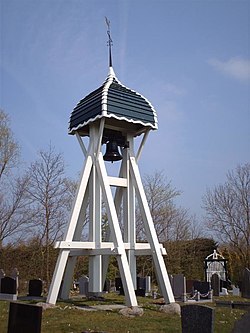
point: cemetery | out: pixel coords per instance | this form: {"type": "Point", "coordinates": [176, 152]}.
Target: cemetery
{"type": "Point", "coordinates": [199, 307]}
{"type": "Point", "coordinates": [119, 119]}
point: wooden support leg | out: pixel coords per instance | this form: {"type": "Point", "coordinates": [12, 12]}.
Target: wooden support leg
{"type": "Point", "coordinates": [161, 272]}
{"type": "Point", "coordinates": [116, 234]}
{"type": "Point", "coordinates": [57, 277]}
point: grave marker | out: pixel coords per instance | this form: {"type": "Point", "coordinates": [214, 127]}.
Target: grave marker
{"type": "Point", "coordinates": [179, 287]}
{"type": "Point", "coordinates": [236, 291]}
{"type": "Point", "coordinates": [24, 318]}
{"type": "Point", "coordinates": [35, 287]}
{"type": "Point", "coordinates": [201, 286]}
{"type": "Point", "coordinates": [148, 284]}
{"type": "Point", "coordinates": [84, 285]}
{"type": "Point", "coordinates": [8, 285]}
{"type": "Point", "coordinates": [2, 275]}
{"type": "Point", "coordinates": [245, 286]}
{"type": "Point", "coordinates": [243, 324]}
{"type": "Point", "coordinates": [197, 319]}
{"type": "Point", "coordinates": [215, 284]}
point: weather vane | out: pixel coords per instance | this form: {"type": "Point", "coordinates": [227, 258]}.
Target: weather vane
{"type": "Point", "coordinates": [110, 42]}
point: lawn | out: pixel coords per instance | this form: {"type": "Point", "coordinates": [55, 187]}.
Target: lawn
{"type": "Point", "coordinates": [66, 318]}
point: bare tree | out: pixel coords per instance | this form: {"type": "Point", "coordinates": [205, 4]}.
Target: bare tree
{"type": "Point", "coordinates": [9, 149]}
{"type": "Point", "coordinates": [227, 209]}
{"type": "Point", "coordinates": [50, 196]}
{"type": "Point", "coordinates": [13, 213]}
{"type": "Point", "coordinates": [171, 222]}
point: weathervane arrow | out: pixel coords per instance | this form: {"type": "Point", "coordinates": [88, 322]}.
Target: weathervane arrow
{"type": "Point", "coordinates": [110, 42]}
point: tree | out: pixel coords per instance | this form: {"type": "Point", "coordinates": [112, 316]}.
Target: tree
{"type": "Point", "coordinates": [171, 222]}
{"type": "Point", "coordinates": [187, 256]}
{"type": "Point", "coordinates": [227, 209]}
{"type": "Point", "coordinates": [9, 149]}
{"type": "Point", "coordinates": [50, 196]}
{"type": "Point", "coordinates": [13, 212]}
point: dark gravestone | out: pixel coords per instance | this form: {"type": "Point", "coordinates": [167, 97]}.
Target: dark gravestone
{"type": "Point", "coordinates": [24, 318]}
{"type": "Point", "coordinates": [35, 288]}
{"type": "Point", "coordinates": [202, 287]}
{"type": "Point", "coordinates": [215, 284]}
{"type": "Point", "coordinates": [119, 286]}
{"type": "Point", "coordinates": [189, 286]}
{"type": "Point", "coordinates": [197, 319]}
{"type": "Point", "coordinates": [141, 282]}
{"type": "Point", "coordinates": [243, 324]}
{"type": "Point", "coordinates": [141, 286]}
{"type": "Point", "coordinates": [107, 286]}
{"type": "Point", "coordinates": [8, 285]}
{"type": "Point", "coordinates": [2, 275]}
{"type": "Point", "coordinates": [245, 285]}
{"type": "Point", "coordinates": [179, 286]}
{"type": "Point", "coordinates": [140, 292]}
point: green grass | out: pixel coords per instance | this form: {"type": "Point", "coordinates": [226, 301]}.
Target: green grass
{"type": "Point", "coordinates": [65, 318]}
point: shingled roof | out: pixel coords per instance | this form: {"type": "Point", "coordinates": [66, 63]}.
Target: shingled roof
{"type": "Point", "coordinates": [115, 102]}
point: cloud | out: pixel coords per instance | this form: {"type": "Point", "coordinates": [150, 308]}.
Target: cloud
{"type": "Point", "coordinates": [237, 68]}
{"type": "Point", "coordinates": [172, 89]}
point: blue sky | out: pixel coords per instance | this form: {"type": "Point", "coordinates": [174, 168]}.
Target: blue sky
{"type": "Point", "coordinates": [191, 59]}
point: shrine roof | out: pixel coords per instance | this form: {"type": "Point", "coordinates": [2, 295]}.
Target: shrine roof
{"type": "Point", "coordinates": [113, 100]}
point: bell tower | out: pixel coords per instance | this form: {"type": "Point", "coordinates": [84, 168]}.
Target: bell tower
{"type": "Point", "coordinates": [112, 115]}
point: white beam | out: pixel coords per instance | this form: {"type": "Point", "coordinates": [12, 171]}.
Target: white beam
{"type": "Point", "coordinates": [117, 181]}
{"type": "Point", "coordinates": [161, 272]}
{"type": "Point", "coordinates": [116, 234]}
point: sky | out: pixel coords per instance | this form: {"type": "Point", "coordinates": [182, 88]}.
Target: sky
{"type": "Point", "coordinates": [189, 58]}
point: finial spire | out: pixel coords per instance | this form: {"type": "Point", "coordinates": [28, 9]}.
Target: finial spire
{"type": "Point", "coordinates": [110, 42]}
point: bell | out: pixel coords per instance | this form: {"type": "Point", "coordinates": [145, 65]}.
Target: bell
{"type": "Point", "coordinates": [112, 153]}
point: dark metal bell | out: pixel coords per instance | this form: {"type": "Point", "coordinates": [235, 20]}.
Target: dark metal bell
{"type": "Point", "coordinates": [112, 153]}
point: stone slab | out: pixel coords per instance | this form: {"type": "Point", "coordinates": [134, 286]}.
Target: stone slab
{"type": "Point", "coordinates": [24, 318]}
{"type": "Point", "coordinates": [243, 324]}
{"type": "Point", "coordinates": [8, 297]}
{"type": "Point", "coordinates": [197, 319]}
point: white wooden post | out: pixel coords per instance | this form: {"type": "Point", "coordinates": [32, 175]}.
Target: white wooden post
{"type": "Point", "coordinates": [116, 235]}
{"type": "Point", "coordinates": [76, 211]}
{"type": "Point", "coordinates": [161, 272]}
{"type": "Point", "coordinates": [129, 215]}
{"type": "Point", "coordinates": [95, 220]}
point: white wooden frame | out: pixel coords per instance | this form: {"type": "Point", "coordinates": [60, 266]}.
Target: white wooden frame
{"type": "Point", "coordinates": [95, 186]}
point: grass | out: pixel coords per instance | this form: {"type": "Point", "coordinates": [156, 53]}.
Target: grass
{"type": "Point", "coordinates": [65, 318]}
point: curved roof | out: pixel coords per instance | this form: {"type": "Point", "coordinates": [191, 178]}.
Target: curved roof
{"type": "Point", "coordinates": [115, 102]}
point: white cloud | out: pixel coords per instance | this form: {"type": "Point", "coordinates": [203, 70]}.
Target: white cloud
{"type": "Point", "coordinates": [237, 68]}
{"type": "Point", "coordinates": [172, 89]}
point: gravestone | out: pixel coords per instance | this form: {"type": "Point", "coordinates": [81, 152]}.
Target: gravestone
{"type": "Point", "coordinates": [8, 285]}
{"type": "Point", "coordinates": [245, 285]}
{"type": "Point", "coordinates": [107, 286]}
{"type": "Point", "coordinates": [35, 287]}
{"type": "Point", "coordinates": [179, 287]}
{"type": "Point", "coordinates": [224, 292]}
{"type": "Point", "coordinates": [236, 291]}
{"type": "Point", "coordinates": [141, 282]}
{"type": "Point", "coordinates": [197, 319]}
{"type": "Point", "coordinates": [215, 284]}
{"type": "Point", "coordinates": [119, 286]}
{"type": "Point", "coordinates": [2, 275]}
{"type": "Point", "coordinates": [141, 286]}
{"type": "Point", "coordinates": [243, 324]}
{"type": "Point", "coordinates": [189, 286]}
{"type": "Point", "coordinates": [148, 284]}
{"type": "Point", "coordinates": [8, 289]}
{"type": "Point", "coordinates": [24, 318]}
{"type": "Point", "coordinates": [202, 286]}
{"type": "Point", "coordinates": [84, 285]}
